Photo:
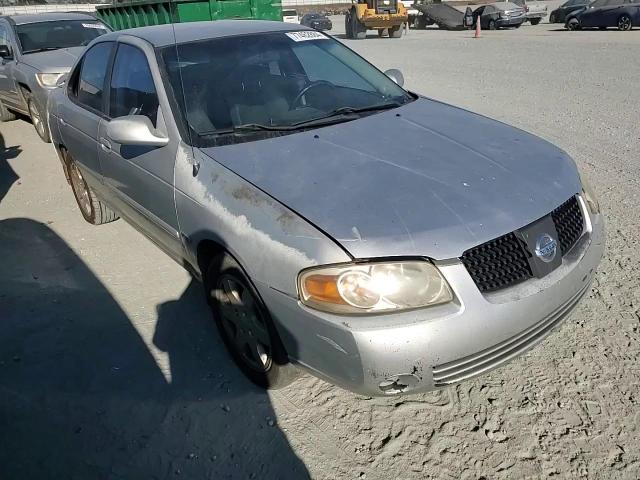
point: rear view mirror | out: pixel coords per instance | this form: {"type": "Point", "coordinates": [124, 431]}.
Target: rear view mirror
{"type": "Point", "coordinates": [5, 52]}
{"type": "Point", "coordinates": [135, 130]}
{"type": "Point", "coordinates": [395, 75]}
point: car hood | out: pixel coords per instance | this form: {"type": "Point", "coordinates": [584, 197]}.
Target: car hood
{"type": "Point", "coordinates": [425, 179]}
{"type": "Point", "coordinates": [54, 61]}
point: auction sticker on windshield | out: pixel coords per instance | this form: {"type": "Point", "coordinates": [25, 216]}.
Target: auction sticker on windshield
{"type": "Point", "coordinates": [306, 35]}
{"type": "Point", "coordinates": [94, 25]}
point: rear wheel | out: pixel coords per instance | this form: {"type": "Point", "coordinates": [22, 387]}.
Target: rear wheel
{"type": "Point", "coordinates": [395, 32]}
{"type": "Point", "coordinates": [245, 325]}
{"type": "Point", "coordinates": [38, 118]}
{"type": "Point", "coordinates": [6, 115]}
{"type": "Point", "coordinates": [624, 23]}
{"type": "Point", "coordinates": [92, 209]}
{"type": "Point", "coordinates": [534, 21]}
{"type": "Point", "coordinates": [573, 24]}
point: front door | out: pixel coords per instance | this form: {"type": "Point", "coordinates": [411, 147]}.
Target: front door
{"type": "Point", "coordinates": [140, 177]}
{"type": "Point", "coordinates": [8, 88]}
{"type": "Point", "coordinates": [80, 117]}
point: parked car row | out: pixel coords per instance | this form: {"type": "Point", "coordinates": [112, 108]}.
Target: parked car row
{"type": "Point", "coordinates": [574, 14]}
{"type": "Point", "coordinates": [258, 155]}
{"type": "Point", "coordinates": [35, 52]}
{"type": "Point", "coordinates": [315, 20]}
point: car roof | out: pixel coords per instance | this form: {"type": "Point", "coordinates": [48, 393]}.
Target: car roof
{"type": "Point", "coordinates": [49, 17]}
{"type": "Point", "coordinates": [163, 35]}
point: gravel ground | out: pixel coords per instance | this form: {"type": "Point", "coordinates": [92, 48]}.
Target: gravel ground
{"type": "Point", "coordinates": [110, 367]}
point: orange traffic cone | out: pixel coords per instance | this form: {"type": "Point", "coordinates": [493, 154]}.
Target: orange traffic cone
{"type": "Point", "coordinates": [477, 34]}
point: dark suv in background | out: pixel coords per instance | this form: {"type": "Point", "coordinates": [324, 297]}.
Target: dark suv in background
{"type": "Point", "coordinates": [36, 51]}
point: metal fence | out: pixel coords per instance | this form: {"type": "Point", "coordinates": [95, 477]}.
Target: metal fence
{"type": "Point", "coordinates": [87, 7]}
{"type": "Point", "coordinates": [56, 7]}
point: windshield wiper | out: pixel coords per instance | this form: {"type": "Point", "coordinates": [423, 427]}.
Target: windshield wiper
{"type": "Point", "coordinates": [247, 128]}
{"type": "Point", "coordinates": [338, 115]}
{"type": "Point", "coordinates": [344, 113]}
{"type": "Point", "coordinates": [43, 49]}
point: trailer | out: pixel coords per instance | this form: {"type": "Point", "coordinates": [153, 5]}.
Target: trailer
{"type": "Point", "coordinates": [439, 13]}
{"type": "Point", "coordinates": [142, 13]}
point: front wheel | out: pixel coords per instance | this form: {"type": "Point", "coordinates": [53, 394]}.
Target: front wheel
{"type": "Point", "coordinates": [245, 325]}
{"type": "Point", "coordinates": [492, 25]}
{"type": "Point", "coordinates": [534, 21]}
{"type": "Point", "coordinates": [624, 23]}
{"type": "Point", "coordinates": [573, 24]}
{"type": "Point", "coordinates": [39, 119]}
{"type": "Point", "coordinates": [552, 18]}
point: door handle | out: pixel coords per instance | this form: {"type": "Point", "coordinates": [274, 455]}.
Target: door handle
{"type": "Point", "coordinates": [105, 144]}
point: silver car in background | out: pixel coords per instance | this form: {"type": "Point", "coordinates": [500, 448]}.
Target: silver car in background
{"type": "Point", "coordinates": [383, 241]}
{"type": "Point", "coordinates": [36, 51]}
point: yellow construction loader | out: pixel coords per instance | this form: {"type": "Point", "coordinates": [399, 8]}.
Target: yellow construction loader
{"type": "Point", "coordinates": [380, 15]}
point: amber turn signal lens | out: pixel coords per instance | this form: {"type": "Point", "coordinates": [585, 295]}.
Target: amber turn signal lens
{"type": "Point", "coordinates": [322, 288]}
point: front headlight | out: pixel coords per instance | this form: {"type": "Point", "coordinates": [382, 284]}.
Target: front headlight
{"type": "Point", "coordinates": [49, 80]}
{"type": "Point", "coordinates": [590, 197]}
{"type": "Point", "coordinates": [373, 287]}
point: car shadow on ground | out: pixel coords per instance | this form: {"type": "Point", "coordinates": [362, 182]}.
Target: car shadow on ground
{"type": "Point", "coordinates": [82, 396]}
{"type": "Point", "coordinates": [7, 176]}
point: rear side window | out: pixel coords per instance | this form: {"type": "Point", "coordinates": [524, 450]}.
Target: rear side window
{"type": "Point", "coordinates": [4, 36]}
{"type": "Point", "coordinates": [132, 89]}
{"type": "Point", "coordinates": [90, 90]}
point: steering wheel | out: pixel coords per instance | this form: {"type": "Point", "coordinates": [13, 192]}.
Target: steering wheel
{"type": "Point", "coordinates": [302, 92]}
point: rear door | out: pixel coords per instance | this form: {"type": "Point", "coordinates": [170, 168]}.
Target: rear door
{"type": "Point", "coordinates": [8, 87]}
{"type": "Point", "coordinates": [611, 13]}
{"type": "Point", "coordinates": [80, 117]}
{"type": "Point", "coordinates": [140, 178]}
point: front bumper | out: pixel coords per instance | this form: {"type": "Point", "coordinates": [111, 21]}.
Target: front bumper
{"type": "Point", "coordinates": [426, 349]}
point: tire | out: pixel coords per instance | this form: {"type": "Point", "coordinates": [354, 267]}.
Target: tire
{"type": "Point", "coordinates": [573, 24]}
{"type": "Point", "coordinates": [381, 32]}
{"type": "Point", "coordinates": [245, 325]}
{"type": "Point", "coordinates": [534, 21]}
{"type": "Point", "coordinates": [92, 209]}
{"type": "Point", "coordinates": [358, 29]}
{"type": "Point", "coordinates": [420, 22]}
{"type": "Point", "coordinates": [347, 25]}
{"type": "Point", "coordinates": [492, 25]}
{"type": "Point", "coordinates": [395, 32]}
{"type": "Point", "coordinates": [38, 118]}
{"type": "Point", "coordinates": [624, 23]}
{"type": "Point", "coordinates": [5, 114]}
{"type": "Point", "coordinates": [552, 18]}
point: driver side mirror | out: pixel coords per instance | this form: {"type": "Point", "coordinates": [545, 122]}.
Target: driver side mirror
{"type": "Point", "coordinates": [5, 52]}
{"type": "Point", "coordinates": [135, 130]}
{"type": "Point", "coordinates": [395, 75]}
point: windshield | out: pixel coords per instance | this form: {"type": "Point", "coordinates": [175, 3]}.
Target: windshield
{"type": "Point", "coordinates": [42, 36]}
{"type": "Point", "coordinates": [281, 82]}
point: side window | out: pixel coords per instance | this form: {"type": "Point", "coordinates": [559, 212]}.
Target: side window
{"type": "Point", "coordinates": [132, 89]}
{"type": "Point", "coordinates": [92, 75]}
{"type": "Point", "coordinates": [4, 36]}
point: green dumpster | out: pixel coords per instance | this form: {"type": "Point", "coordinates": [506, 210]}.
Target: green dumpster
{"type": "Point", "coordinates": [141, 13]}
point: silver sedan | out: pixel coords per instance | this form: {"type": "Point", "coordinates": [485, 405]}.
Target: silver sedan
{"type": "Point", "coordinates": [381, 240]}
